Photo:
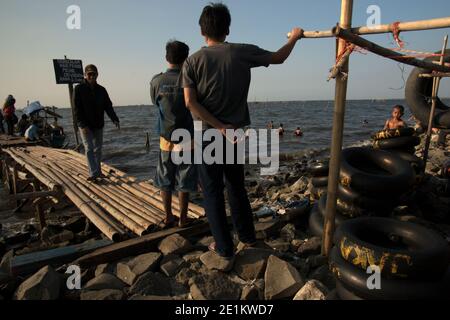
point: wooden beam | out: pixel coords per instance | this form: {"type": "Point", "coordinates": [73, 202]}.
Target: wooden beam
{"type": "Point", "coordinates": [29, 263]}
{"type": "Point", "coordinates": [137, 246]}
{"type": "Point", "coordinates": [430, 24]}
{"type": "Point", "coordinates": [381, 51]}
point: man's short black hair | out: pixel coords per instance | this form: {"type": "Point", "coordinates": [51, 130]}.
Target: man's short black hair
{"type": "Point", "coordinates": [400, 107]}
{"type": "Point", "coordinates": [215, 21]}
{"type": "Point", "coordinates": [176, 52]}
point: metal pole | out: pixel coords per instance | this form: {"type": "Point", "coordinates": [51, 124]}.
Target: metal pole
{"type": "Point", "coordinates": [436, 83]}
{"type": "Point", "coordinates": [338, 131]}
{"type": "Point", "coordinates": [72, 106]}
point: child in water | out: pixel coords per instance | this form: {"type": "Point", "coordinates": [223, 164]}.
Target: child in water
{"type": "Point", "coordinates": [281, 130]}
{"type": "Point", "coordinates": [298, 132]}
{"type": "Point", "coordinates": [396, 121]}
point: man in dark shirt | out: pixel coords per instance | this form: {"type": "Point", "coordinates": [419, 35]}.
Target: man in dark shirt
{"type": "Point", "coordinates": [168, 96]}
{"type": "Point", "coordinates": [216, 81]}
{"type": "Point", "coordinates": [91, 101]}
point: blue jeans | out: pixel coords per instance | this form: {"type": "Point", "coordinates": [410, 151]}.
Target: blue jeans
{"type": "Point", "coordinates": [93, 141]}
{"type": "Point", "coordinates": [213, 179]}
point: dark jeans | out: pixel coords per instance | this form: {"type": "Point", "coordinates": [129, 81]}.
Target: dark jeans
{"type": "Point", "coordinates": [213, 179]}
{"type": "Point", "coordinates": [10, 124]}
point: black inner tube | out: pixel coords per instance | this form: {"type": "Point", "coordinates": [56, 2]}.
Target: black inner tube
{"type": "Point", "coordinates": [418, 97]}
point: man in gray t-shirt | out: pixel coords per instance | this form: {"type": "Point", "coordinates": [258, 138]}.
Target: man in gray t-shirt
{"type": "Point", "coordinates": [216, 81]}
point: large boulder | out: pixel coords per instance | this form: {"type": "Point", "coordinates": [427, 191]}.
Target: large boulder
{"type": "Point", "coordinates": [151, 284]}
{"type": "Point", "coordinates": [43, 285]}
{"type": "Point", "coordinates": [312, 290]}
{"type": "Point", "coordinates": [174, 244]}
{"type": "Point", "coordinates": [251, 263]}
{"type": "Point", "coordinates": [129, 271]}
{"type": "Point", "coordinates": [281, 279]}
{"type": "Point", "coordinates": [105, 294]}
{"type": "Point", "coordinates": [214, 286]}
{"type": "Point", "coordinates": [105, 281]}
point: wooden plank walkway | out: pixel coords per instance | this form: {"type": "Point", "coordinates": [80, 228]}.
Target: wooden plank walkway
{"type": "Point", "coordinates": [117, 205]}
{"type": "Point", "coordinates": [16, 141]}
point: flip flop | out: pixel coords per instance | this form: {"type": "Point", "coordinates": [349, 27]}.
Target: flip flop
{"type": "Point", "coordinates": [164, 224]}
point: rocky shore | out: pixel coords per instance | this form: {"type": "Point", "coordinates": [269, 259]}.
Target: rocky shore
{"type": "Point", "coordinates": [285, 264]}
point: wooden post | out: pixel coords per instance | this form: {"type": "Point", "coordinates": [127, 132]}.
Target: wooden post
{"type": "Point", "coordinates": [40, 216]}
{"type": "Point", "coordinates": [436, 83]}
{"type": "Point", "coordinates": [72, 106]}
{"type": "Point", "coordinates": [338, 131]}
{"type": "Point", "coordinates": [15, 182]}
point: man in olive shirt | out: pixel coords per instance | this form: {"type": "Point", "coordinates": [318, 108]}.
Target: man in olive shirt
{"type": "Point", "coordinates": [216, 81]}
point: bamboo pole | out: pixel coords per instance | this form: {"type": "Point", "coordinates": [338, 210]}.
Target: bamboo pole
{"type": "Point", "coordinates": [120, 201]}
{"type": "Point", "coordinates": [93, 213]}
{"type": "Point", "coordinates": [436, 84]}
{"type": "Point", "coordinates": [429, 24]}
{"type": "Point", "coordinates": [434, 74]}
{"type": "Point", "coordinates": [376, 49]}
{"type": "Point", "coordinates": [128, 218]}
{"type": "Point", "coordinates": [338, 131]}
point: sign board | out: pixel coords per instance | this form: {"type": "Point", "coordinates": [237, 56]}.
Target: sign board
{"type": "Point", "coordinates": [68, 71]}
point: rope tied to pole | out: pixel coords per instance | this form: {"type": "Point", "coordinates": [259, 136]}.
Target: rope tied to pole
{"type": "Point", "coordinates": [396, 34]}
{"type": "Point", "coordinates": [342, 58]}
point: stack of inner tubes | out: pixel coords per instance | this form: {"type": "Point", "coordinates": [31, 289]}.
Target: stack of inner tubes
{"type": "Point", "coordinates": [319, 171]}
{"type": "Point", "coordinates": [402, 139]}
{"type": "Point", "coordinates": [371, 182]}
{"type": "Point", "coordinates": [407, 261]}
{"type": "Point", "coordinates": [402, 142]}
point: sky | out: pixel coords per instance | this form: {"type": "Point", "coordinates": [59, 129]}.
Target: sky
{"type": "Point", "coordinates": [126, 40]}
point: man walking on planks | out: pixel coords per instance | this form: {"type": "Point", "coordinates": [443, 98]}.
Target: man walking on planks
{"type": "Point", "coordinates": [216, 81]}
{"type": "Point", "coordinates": [91, 101]}
{"type": "Point", "coordinates": [167, 95]}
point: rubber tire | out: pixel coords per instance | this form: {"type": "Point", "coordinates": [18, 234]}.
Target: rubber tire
{"type": "Point", "coordinates": [355, 281]}
{"type": "Point", "coordinates": [399, 178]}
{"type": "Point", "coordinates": [319, 182]}
{"type": "Point", "coordinates": [338, 218]}
{"type": "Point", "coordinates": [418, 94]}
{"type": "Point", "coordinates": [345, 294]}
{"type": "Point", "coordinates": [350, 196]}
{"type": "Point", "coordinates": [316, 222]}
{"type": "Point", "coordinates": [424, 256]}
{"type": "Point", "coordinates": [416, 163]}
{"type": "Point", "coordinates": [397, 143]}
{"type": "Point", "coordinates": [319, 169]}
{"type": "Point", "coordinates": [394, 133]}
{"type": "Point", "coordinates": [348, 210]}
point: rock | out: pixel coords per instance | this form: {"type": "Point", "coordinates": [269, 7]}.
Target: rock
{"type": "Point", "coordinates": [185, 275]}
{"type": "Point", "coordinates": [288, 232]}
{"type": "Point", "coordinates": [178, 289]}
{"type": "Point", "coordinates": [150, 298]}
{"type": "Point", "coordinates": [151, 284]}
{"type": "Point", "coordinates": [214, 286]}
{"type": "Point", "coordinates": [129, 271]}
{"type": "Point", "coordinates": [252, 292]}
{"type": "Point", "coordinates": [251, 263]}
{"type": "Point", "coordinates": [192, 256]}
{"type": "Point", "coordinates": [279, 245]}
{"type": "Point", "coordinates": [317, 261]}
{"type": "Point", "coordinates": [5, 264]}
{"type": "Point", "coordinates": [215, 262]}
{"type": "Point", "coordinates": [281, 279]}
{"type": "Point", "coordinates": [171, 264]}
{"type": "Point", "coordinates": [105, 281]}
{"type": "Point", "coordinates": [310, 246]}
{"type": "Point", "coordinates": [43, 285]}
{"type": "Point", "coordinates": [325, 276]}
{"type": "Point", "coordinates": [75, 224]}
{"type": "Point", "coordinates": [268, 229]}
{"type": "Point", "coordinates": [105, 268]}
{"type": "Point", "coordinates": [106, 294]}
{"type": "Point", "coordinates": [312, 290]}
{"type": "Point", "coordinates": [174, 244]}
{"type": "Point", "coordinates": [205, 242]}
{"type": "Point", "coordinates": [300, 186]}
{"type": "Point", "coordinates": [64, 236]}
{"type": "Point", "coordinates": [295, 244]}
